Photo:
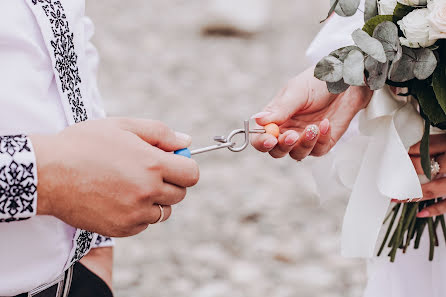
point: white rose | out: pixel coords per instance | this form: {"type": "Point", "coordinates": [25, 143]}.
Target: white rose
{"type": "Point", "coordinates": [386, 7]}
{"type": "Point", "coordinates": [413, 2]}
{"type": "Point", "coordinates": [415, 27]}
{"type": "Point", "coordinates": [437, 19]}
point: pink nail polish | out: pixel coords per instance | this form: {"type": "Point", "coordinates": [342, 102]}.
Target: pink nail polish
{"type": "Point", "coordinates": [324, 126]}
{"type": "Point", "coordinates": [311, 132]}
{"type": "Point", "coordinates": [270, 143]}
{"type": "Point", "coordinates": [423, 214]}
{"type": "Point", "coordinates": [261, 115]}
{"type": "Point", "coordinates": [291, 139]}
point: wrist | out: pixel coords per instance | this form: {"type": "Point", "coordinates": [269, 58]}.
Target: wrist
{"type": "Point", "coordinates": [44, 153]}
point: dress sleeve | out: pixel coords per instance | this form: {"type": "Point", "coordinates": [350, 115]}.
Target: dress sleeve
{"type": "Point", "coordinates": [18, 178]}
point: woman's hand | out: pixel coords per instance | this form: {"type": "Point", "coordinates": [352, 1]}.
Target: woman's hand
{"type": "Point", "coordinates": [437, 187]}
{"type": "Point", "coordinates": [310, 118]}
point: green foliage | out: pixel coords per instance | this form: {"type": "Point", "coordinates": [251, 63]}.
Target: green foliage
{"type": "Point", "coordinates": [424, 150]}
{"type": "Point", "coordinates": [401, 11]}
{"type": "Point", "coordinates": [371, 24]}
{"type": "Point", "coordinates": [428, 101]}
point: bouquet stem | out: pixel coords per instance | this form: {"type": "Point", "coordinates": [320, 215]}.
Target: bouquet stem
{"type": "Point", "coordinates": [409, 228]}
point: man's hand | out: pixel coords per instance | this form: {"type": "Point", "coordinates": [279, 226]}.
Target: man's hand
{"type": "Point", "coordinates": [109, 176]}
{"type": "Point", "coordinates": [310, 118]}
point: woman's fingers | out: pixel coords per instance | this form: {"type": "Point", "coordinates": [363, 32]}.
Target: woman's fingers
{"type": "Point", "coordinates": [306, 143]}
{"type": "Point", "coordinates": [285, 144]}
{"type": "Point", "coordinates": [323, 143]}
{"type": "Point", "coordinates": [441, 159]}
{"type": "Point", "coordinates": [434, 189]}
{"type": "Point", "coordinates": [264, 142]}
{"type": "Point", "coordinates": [436, 209]}
{"type": "Point", "coordinates": [437, 145]}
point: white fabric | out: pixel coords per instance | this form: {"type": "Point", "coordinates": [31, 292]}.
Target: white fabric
{"type": "Point", "coordinates": [35, 251]}
{"type": "Point", "coordinates": [383, 139]}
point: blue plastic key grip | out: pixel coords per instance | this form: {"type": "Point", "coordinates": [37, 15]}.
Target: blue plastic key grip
{"type": "Point", "coordinates": [184, 152]}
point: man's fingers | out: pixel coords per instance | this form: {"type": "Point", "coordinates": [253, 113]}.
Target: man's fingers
{"type": "Point", "coordinates": [437, 145]}
{"type": "Point", "coordinates": [285, 144]}
{"type": "Point", "coordinates": [156, 133]}
{"type": "Point", "coordinates": [178, 170]}
{"type": "Point", "coordinates": [323, 144]}
{"type": "Point", "coordinates": [306, 143]}
{"type": "Point", "coordinates": [434, 189]}
{"type": "Point", "coordinates": [155, 213]}
{"type": "Point", "coordinates": [436, 209]}
{"type": "Point", "coordinates": [264, 142]}
{"type": "Point", "coordinates": [170, 195]}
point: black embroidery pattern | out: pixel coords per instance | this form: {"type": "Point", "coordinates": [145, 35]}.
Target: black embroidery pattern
{"type": "Point", "coordinates": [83, 244]}
{"type": "Point", "coordinates": [101, 239]}
{"type": "Point", "coordinates": [13, 144]}
{"type": "Point", "coordinates": [65, 56]}
{"type": "Point", "coordinates": [68, 71]}
{"type": "Point", "coordinates": [17, 190]}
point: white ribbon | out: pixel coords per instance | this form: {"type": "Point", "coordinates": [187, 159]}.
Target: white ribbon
{"type": "Point", "coordinates": [373, 168]}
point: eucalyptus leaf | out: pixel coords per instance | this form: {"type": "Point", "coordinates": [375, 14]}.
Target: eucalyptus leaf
{"type": "Point", "coordinates": [371, 24]}
{"type": "Point", "coordinates": [343, 52]}
{"type": "Point", "coordinates": [353, 72]}
{"type": "Point", "coordinates": [370, 9]}
{"type": "Point", "coordinates": [337, 87]}
{"type": "Point", "coordinates": [369, 45]}
{"type": "Point", "coordinates": [428, 102]}
{"type": "Point", "coordinates": [387, 33]}
{"type": "Point", "coordinates": [329, 69]}
{"type": "Point", "coordinates": [425, 64]}
{"type": "Point", "coordinates": [438, 83]}
{"type": "Point", "coordinates": [396, 60]}
{"type": "Point", "coordinates": [332, 9]}
{"type": "Point", "coordinates": [401, 11]}
{"type": "Point", "coordinates": [424, 150]}
{"type": "Point", "coordinates": [376, 73]}
{"type": "Point", "coordinates": [404, 70]}
{"type": "Point", "coordinates": [346, 8]}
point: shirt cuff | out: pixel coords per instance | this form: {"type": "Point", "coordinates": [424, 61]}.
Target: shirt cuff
{"type": "Point", "coordinates": [103, 241]}
{"type": "Point", "coordinates": [18, 178]}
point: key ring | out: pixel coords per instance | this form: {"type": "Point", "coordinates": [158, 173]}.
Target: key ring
{"type": "Point", "coordinates": [225, 142]}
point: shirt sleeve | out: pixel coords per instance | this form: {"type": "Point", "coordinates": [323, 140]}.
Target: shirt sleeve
{"type": "Point", "coordinates": [18, 178]}
{"type": "Point", "coordinates": [103, 241]}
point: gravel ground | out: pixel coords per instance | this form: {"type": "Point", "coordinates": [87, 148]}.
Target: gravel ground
{"type": "Point", "coordinates": [252, 227]}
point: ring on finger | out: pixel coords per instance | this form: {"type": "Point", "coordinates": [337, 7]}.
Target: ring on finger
{"type": "Point", "coordinates": [161, 214]}
{"type": "Point", "coordinates": [435, 168]}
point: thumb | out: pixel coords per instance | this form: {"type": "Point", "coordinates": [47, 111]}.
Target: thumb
{"type": "Point", "coordinates": [157, 134]}
{"type": "Point", "coordinates": [287, 103]}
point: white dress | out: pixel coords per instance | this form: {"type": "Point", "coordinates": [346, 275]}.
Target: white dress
{"type": "Point", "coordinates": [412, 274]}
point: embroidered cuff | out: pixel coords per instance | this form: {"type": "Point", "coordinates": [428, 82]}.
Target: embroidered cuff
{"type": "Point", "coordinates": [18, 178]}
{"type": "Point", "coordinates": [103, 241]}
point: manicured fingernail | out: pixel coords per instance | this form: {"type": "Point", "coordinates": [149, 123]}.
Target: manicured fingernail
{"type": "Point", "coordinates": [324, 126]}
{"type": "Point", "coordinates": [261, 115]}
{"type": "Point", "coordinates": [270, 143]}
{"type": "Point", "coordinates": [311, 132]}
{"type": "Point", "coordinates": [183, 137]}
{"type": "Point", "coordinates": [291, 139]}
{"type": "Point", "coordinates": [423, 214]}
{"type": "Point", "coordinates": [395, 200]}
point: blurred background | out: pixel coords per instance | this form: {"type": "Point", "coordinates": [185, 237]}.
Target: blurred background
{"type": "Point", "coordinates": [253, 226]}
